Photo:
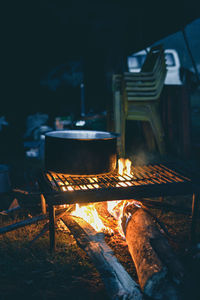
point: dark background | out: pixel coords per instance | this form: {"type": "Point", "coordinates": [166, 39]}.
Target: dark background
{"type": "Point", "coordinates": [37, 36]}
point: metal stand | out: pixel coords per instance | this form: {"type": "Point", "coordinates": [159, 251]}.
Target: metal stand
{"type": "Point", "coordinates": [52, 228]}
{"type": "Point", "coordinates": [195, 206]}
{"type": "Point", "coordinates": [178, 185]}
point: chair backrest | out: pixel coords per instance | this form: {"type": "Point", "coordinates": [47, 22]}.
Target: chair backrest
{"type": "Point", "coordinates": [147, 84]}
{"type": "Point", "coordinates": [153, 58]}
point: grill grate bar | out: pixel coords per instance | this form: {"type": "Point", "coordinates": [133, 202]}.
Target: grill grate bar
{"type": "Point", "coordinates": [175, 173]}
{"type": "Point", "coordinates": [160, 177]}
{"type": "Point", "coordinates": [148, 176]}
{"type": "Point", "coordinates": [140, 175]}
{"type": "Point", "coordinates": [169, 174]}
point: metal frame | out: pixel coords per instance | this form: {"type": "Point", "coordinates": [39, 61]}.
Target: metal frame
{"type": "Point", "coordinates": [155, 184]}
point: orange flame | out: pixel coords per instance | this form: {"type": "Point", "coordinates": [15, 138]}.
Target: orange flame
{"type": "Point", "coordinates": [90, 215]}
{"type": "Point", "coordinates": [120, 166]}
{"type": "Point", "coordinates": [115, 208]}
{"type": "Point", "coordinates": [124, 166]}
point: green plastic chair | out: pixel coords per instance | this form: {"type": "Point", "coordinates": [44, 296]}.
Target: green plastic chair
{"type": "Point", "coordinates": [136, 97]}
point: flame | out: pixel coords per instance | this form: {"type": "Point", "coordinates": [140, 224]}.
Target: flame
{"type": "Point", "coordinates": [115, 208]}
{"type": "Point", "coordinates": [124, 166]}
{"type": "Point", "coordinates": [90, 215]}
{"type": "Point", "coordinates": [120, 166]}
{"type": "Point", "coordinates": [128, 166]}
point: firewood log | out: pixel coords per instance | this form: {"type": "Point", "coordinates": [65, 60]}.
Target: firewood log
{"type": "Point", "coordinates": [118, 283]}
{"type": "Point", "coordinates": [159, 271]}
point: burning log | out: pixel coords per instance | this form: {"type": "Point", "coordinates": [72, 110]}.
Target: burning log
{"type": "Point", "coordinates": [117, 281]}
{"type": "Point", "coordinates": [158, 269]}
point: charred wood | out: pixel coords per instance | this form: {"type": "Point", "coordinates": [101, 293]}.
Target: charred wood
{"type": "Point", "coordinates": [165, 206]}
{"type": "Point", "coordinates": [118, 283]}
{"type": "Point", "coordinates": [158, 269]}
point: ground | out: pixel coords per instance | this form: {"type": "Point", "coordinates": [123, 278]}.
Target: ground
{"type": "Point", "coordinates": [31, 272]}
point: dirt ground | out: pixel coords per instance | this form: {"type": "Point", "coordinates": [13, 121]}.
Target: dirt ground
{"type": "Point", "coordinates": [31, 272]}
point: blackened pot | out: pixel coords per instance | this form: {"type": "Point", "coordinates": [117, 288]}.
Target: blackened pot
{"type": "Point", "coordinates": [80, 152]}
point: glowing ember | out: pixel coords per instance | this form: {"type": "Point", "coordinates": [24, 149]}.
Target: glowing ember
{"type": "Point", "coordinates": [64, 206]}
{"type": "Point", "coordinates": [83, 187]}
{"type": "Point", "coordinates": [60, 183]}
{"type": "Point", "coordinates": [90, 186]}
{"type": "Point", "coordinates": [96, 186]}
{"type": "Point", "coordinates": [70, 188]}
{"type": "Point", "coordinates": [90, 215]}
{"type": "Point", "coordinates": [116, 208]}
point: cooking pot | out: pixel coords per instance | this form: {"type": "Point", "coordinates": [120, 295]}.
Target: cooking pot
{"type": "Point", "coordinates": [80, 152]}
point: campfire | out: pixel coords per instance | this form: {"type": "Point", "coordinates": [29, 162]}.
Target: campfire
{"type": "Point", "coordinates": [157, 267]}
{"type": "Point", "coordinates": [113, 201]}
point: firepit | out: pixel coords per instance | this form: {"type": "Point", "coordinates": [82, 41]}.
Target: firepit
{"type": "Point", "coordinates": [143, 181]}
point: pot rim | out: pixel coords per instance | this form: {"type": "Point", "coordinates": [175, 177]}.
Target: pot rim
{"type": "Point", "coordinates": [87, 135]}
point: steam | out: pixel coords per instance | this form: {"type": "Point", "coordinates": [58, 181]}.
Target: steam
{"type": "Point", "coordinates": [143, 158]}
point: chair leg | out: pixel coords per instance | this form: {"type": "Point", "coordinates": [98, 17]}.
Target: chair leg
{"type": "Point", "coordinates": [123, 133]}
{"type": "Point", "coordinates": [117, 117]}
{"type": "Point", "coordinates": [117, 108]}
{"type": "Point", "coordinates": [157, 128]}
{"type": "Point", "coordinates": [120, 122]}
{"type": "Point", "coordinates": [149, 136]}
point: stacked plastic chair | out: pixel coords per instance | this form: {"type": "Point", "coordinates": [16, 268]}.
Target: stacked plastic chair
{"type": "Point", "coordinates": [136, 97]}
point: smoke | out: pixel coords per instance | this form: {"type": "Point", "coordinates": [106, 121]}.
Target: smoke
{"type": "Point", "coordinates": [143, 158]}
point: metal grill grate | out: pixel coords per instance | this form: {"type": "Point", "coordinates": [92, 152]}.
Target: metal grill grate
{"type": "Point", "coordinates": [140, 175]}
{"type": "Point", "coordinates": [144, 181]}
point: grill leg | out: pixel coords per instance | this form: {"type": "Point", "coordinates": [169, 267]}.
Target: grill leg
{"type": "Point", "coordinates": [195, 205]}
{"type": "Point", "coordinates": [43, 204]}
{"type": "Point", "coordinates": [52, 228]}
